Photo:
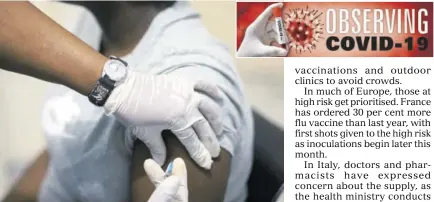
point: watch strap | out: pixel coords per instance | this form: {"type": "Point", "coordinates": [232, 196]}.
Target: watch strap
{"type": "Point", "coordinates": [101, 91]}
{"type": "Point", "coordinates": [104, 86]}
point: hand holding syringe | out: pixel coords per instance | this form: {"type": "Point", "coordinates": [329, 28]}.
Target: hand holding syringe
{"type": "Point", "coordinates": [171, 186]}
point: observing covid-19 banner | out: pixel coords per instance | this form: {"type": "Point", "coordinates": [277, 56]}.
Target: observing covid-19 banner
{"type": "Point", "coordinates": [344, 29]}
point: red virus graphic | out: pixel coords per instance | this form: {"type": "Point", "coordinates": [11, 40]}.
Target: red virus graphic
{"type": "Point", "coordinates": [304, 29]}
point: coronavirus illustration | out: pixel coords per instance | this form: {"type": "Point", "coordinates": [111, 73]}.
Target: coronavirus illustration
{"type": "Point", "coordinates": [304, 28]}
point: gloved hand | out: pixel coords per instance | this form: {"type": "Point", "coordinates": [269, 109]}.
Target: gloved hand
{"type": "Point", "coordinates": [144, 101]}
{"type": "Point", "coordinates": [88, 151]}
{"type": "Point", "coordinates": [253, 44]}
{"type": "Point", "coordinates": [171, 189]}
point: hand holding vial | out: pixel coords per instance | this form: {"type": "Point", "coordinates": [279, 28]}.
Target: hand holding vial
{"type": "Point", "coordinates": [254, 43]}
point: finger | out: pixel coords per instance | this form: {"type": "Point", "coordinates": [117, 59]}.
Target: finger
{"type": "Point", "coordinates": [212, 113]}
{"type": "Point", "coordinates": [180, 170]}
{"type": "Point", "coordinates": [266, 14]}
{"type": "Point", "coordinates": [207, 137]}
{"type": "Point", "coordinates": [270, 37]}
{"type": "Point", "coordinates": [209, 89]}
{"type": "Point", "coordinates": [194, 147]}
{"type": "Point", "coordinates": [153, 171]}
{"type": "Point", "coordinates": [167, 190]}
{"type": "Point", "coordinates": [272, 51]}
{"type": "Point", "coordinates": [152, 138]}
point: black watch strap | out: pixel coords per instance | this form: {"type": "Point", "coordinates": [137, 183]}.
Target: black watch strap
{"type": "Point", "coordinates": [101, 91]}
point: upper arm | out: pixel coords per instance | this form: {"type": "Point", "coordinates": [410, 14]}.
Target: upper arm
{"type": "Point", "coordinates": [217, 68]}
{"type": "Point", "coordinates": [231, 106]}
{"type": "Point", "coordinates": [203, 185]}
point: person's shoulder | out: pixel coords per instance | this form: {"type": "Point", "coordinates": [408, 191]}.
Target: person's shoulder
{"type": "Point", "coordinates": [189, 43]}
{"type": "Point", "coordinates": [192, 34]}
{"type": "Point", "coordinates": [182, 29]}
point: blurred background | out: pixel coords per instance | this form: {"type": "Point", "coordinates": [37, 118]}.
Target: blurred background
{"type": "Point", "coordinates": [21, 97]}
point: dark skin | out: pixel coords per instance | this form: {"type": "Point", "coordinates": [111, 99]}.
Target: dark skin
{"type": "Point", "coordinates": [203, 185]}
{"type": "Point", "coordinates": [120, 19]}
{"type": "Point", "coordinates": [43, 49]}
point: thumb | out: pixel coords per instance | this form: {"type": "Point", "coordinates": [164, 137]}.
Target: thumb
{"type": "Point", "coordinates": [167, 190]}
{"type": "Point", "coordinates": [267, 13]}
{"type": "Point", "coordinates": [273, 51]}
{"type": "Point", "coordinates": [180, 171]}
{"type": "Point", "coordinates": [154, 172]}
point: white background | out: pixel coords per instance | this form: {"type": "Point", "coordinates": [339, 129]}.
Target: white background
{"type": "Point", "coordinates": [293, 165]}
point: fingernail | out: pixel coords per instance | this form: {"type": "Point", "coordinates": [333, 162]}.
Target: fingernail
{"type": "Point", "coordinates": [147, 163]}
{"type": "Point", "coordinates": [179, 167]}
{"type": "Point", "coordinates": [216, 153]}
{"type": "Point", "coordinates": [208, 165]}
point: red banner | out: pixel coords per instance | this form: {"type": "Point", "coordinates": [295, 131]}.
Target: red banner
{"type": "Point", "coordinates": [348, 29]}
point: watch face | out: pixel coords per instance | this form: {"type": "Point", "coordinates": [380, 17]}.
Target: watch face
{"type": "Point", "coordinates": [116, 70]}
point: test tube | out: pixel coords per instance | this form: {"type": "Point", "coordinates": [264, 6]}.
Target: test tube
{"type": "Point", "coordinates": [281, 34]}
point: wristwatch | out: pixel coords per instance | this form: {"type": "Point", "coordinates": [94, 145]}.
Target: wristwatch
{"type": "Point", "coordinates": [115, 71]}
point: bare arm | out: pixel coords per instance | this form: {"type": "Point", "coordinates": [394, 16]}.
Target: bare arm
{"type": "Point", "coordinates": [203, 185]}
{"type": "Point", "coordinates": [33, 44]}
